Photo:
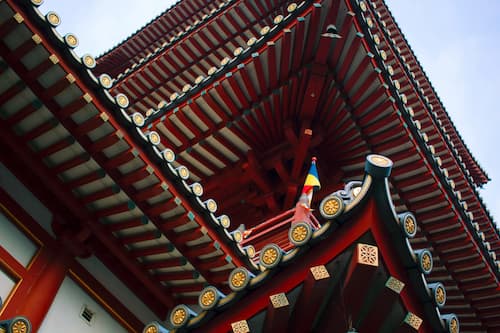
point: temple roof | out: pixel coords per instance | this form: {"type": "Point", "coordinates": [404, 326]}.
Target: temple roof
{"type": "Point", "coordinates": [357, 271]}
{"type": "Point", "coordinates": [111, 184]}
{"type": "Point", "coordinates": [244, 131]}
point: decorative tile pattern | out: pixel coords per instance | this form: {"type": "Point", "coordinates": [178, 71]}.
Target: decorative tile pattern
{"type": "Point", "coordinates": [240, 327]}
{"type": "Point", "coordinates": [394, 284]}
{"type": "Point", "coordinates": [367, 254]}
{"type": "Point", "coordinates": [413, 320]}
{"type": "Point", "coordinates": [279, 300]}
{"type": "Point", "coordinates": [320, 272]}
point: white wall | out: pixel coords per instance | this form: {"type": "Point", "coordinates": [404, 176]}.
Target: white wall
{"type": "Point", "coordinates": [102, 274]}
{"type": "Point", "coordinates": [25, 198]}
{"type": "Point", "coordinates": [6, 285]}
{"type": "Point", "coordinates": [64, 314]}
{"type": "Point", "coordinates": [15, 241]}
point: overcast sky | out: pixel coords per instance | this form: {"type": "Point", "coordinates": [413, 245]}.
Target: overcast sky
{"type": "Point", "coordinates": [456, 41]}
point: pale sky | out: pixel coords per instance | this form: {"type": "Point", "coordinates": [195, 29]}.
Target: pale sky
{"type": "Point", "coordinates": [456, 41]}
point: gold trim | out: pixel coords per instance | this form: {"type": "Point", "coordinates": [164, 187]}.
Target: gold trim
{"type": "Point", "coordinates": [270, 256]}
{"type": "Point", "coordinates": [240, 327]}
{"type": "Point", "coordinates": [54, 59]}
{"type": "Point", "coordinates": [36, 38]}
{"type": "Point", "coordinates": [453, 325]}
{"type": "Point", "coordinates": [395, 285]}
{"type": "Point", "coordinates": [178, 316]}
{"type": "Point", "coordinates": [70, 78]}
{"type": "Point", "coordinates": [251, 41]}
{"type": "Point", "coordinates": [299, 233]}
{"type": "Point", "coordinates": [331, 206]}
{"type": "Point", "coordinates": [291, 7]}
{"type": "Point", "coordinates": [122, 100]}
{"type": "Point", "coordinates": [279, 300]}
{"type": "Point", "coordinates": [238, 279]}
{"type": "Point", "coordinates": [104, 116]}
{"type": "Point", "coordinates": [367, 254]}
{"type": "Point", "coordinates": [18, 17]}
{"type": "Point", "coordinates": [426, 261]}
{"type": "Point", "coordinates": [369, 22]}
{"type": "Point", "coordinates": [72, 40]}
{"type": "Point", "coordinates": [413, 320]}
{"type": "Point", "coordinates": [87, 97]}
{"type": "Point", "coordinates": [53, 19]}
{"type": "Point", "coordinates": [319, 272]}
{"type": "Point", "coordinates": [440, 295]}
{"type": "Point", "coordinates": [410, 225]}
{"type": "Point", "coordinates": [362, 5]}
{"type": "Point", "coordinates": [19, 326]}
{"type": "Point", "coordinates": [208, 298]}
{"type": "Point", "coordinates": [211, 70]}
{"type": "Point", "coordinates": [278, 19]}
{"type": "Point", "coordinates": [151, 329]}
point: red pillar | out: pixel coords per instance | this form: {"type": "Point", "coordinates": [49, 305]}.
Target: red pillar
{"type": "Point", "coordinates": [35, 293]}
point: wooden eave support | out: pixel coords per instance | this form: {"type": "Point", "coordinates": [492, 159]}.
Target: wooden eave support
{"type": "Point", "coordinates": [39, 130]}
{"type": "Point", "coordinates": [378, 313]}
{"type": "Point", "coordinates": [189, 235]}
{"type": "Point", "coordinates": [151, 250]}
{"type": "Point", "coordinates": [86, 179]}
{"type": "Point", "coordinates": [161, 207]}
{"type": "Point", "coordinates": [71, 163]}
{"type": "Point", "coordinates": [277, 314]}
{"type": "Point", "coordinates": [55, 147]}
{"type": "Point", "coordinates": [363, 265]}
{"type": "Point", "coordinates": [60, 192]}
{"type": "Point", "coordinates": [140, 237]}
{"type": "Point", "coordinates": [113, 210]}
{"type": "Point", "coordinates": [213, 262]}
{"type": "Point", "coordinates": [187, 288]}
{"type": "Point", "coordinates": [176, 276]}
{"type": "Point", "coordinates": [127, 224]}
{"type": "Point", "coordinates": [165, 263]}
{"type": "Point", "coordinates": [181, 48]}
{"type": "Point", "coordinates": [310, 299]}
{"type": "Point", "coordinates": [98, 195]}
{"type": "Point", "coordinates": [12, 92]}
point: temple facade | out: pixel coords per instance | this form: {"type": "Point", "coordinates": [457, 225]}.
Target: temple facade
{"type": "Point", "coordinates": [236, 166]}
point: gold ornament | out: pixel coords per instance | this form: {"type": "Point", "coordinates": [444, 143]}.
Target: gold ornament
{"type": "Point", "coordinates": [207, 298]}
{"type": "Point", "coordinates": [368, 254]}
{"type": "Point", "coordinates": [440, 295]}
{"type": "Point", "coordinates": [179, 316]}
{"type": "Point", "coordinates": [453, 325]}
{"type": "Point", "coordinates": [269, 256]}
{"type": "Point", "coordinates": [299, 233]}
{"type": "Point", "coordinates": [331, 206]}
{"type": "Point", "coordinates": [238, 279]}
{"type": "Point", "coordinates": [151, 329]}
{"type": "Point", "coordinates": [19, 326]}
{"type": "Point", "coordinates": [426, 262]}
{"type": "Point", "coordinates": [410, 225]}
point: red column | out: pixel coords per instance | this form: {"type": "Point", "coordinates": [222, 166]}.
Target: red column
{"type": "Point", "coordinates": [36, 292]}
